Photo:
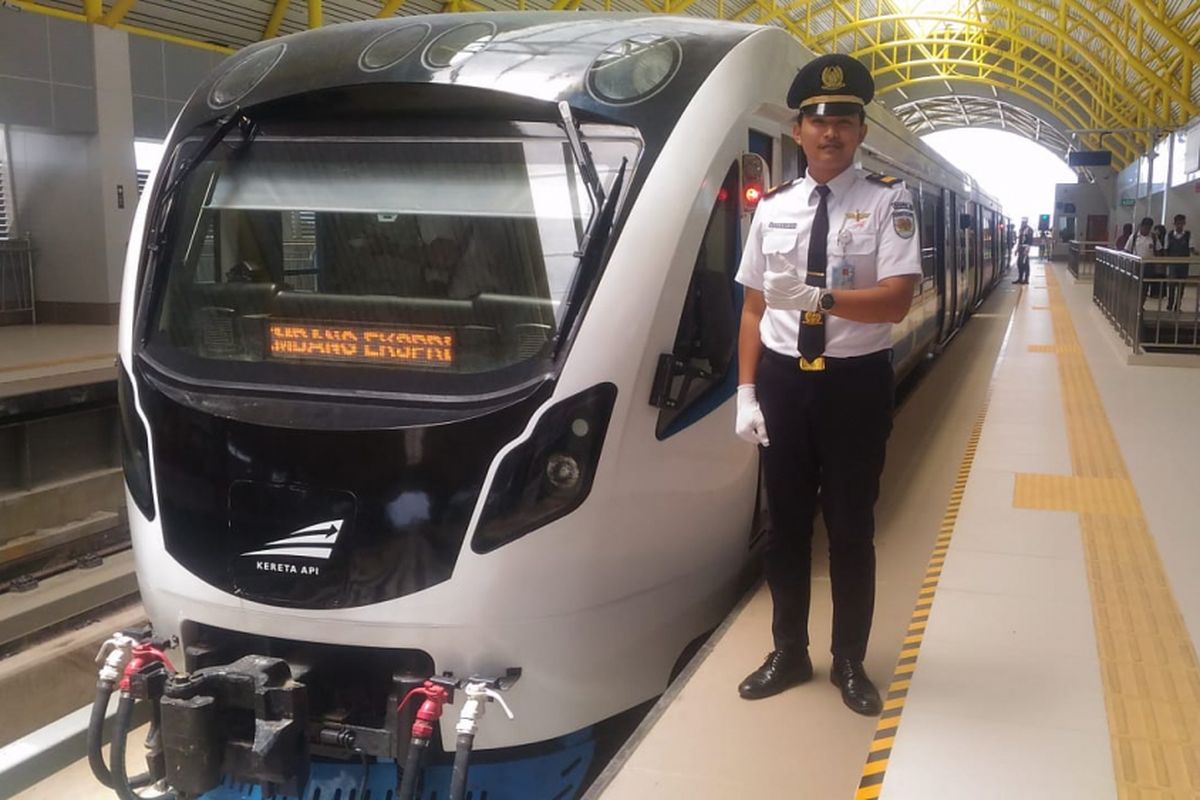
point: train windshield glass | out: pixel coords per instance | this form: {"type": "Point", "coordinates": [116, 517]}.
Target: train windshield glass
{"type": "Point", "coordinates": [423, 255]}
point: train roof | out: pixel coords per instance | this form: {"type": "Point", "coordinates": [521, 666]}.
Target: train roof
{"type": "Point", "coordinates": [540, 56]}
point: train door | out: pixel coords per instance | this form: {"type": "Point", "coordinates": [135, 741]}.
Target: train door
{"type": "Point", "coordinates": [960, 260]}
{"type": "Point", "coordinates": [700, 373]}
{"type": "Point", "coordinates": [947, 292]}
{"type": "Point", "coordinates": [979, 256]}
{"type": "Point", "coordinates": [988, 230]}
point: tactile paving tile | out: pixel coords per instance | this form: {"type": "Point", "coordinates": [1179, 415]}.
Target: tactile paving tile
{"type": "Point", "coordinates": [1148, 662]}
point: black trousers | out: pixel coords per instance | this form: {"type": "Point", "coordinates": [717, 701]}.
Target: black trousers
{"type": "Point", "coordinates": [828, 433]}
{"type": "Point", "coordinates": [1023, 264]}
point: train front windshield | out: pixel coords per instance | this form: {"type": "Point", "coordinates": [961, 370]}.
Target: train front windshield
{"type": "Point", "coordinates": [375, 261]}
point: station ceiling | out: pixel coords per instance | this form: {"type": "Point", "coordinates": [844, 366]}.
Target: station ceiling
{"type": "Point", "coordinates": [1072, 74]}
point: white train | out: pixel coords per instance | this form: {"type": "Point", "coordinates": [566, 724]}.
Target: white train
{"type": "Point", "coordinates": [426, 366]}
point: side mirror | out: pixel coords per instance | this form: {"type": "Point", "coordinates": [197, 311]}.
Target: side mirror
{"type": "Point", "coordinates": [668, 390]}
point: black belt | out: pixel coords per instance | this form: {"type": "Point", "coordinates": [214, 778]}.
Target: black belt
{"type": "Point", "coordinates": [848, 362]}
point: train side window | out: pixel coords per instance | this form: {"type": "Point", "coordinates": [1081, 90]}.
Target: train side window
{"type": "Point", "coordinates": [792, 166]}
{"type": "Point", "coordinates": [929, 214]}
{"type": "Point", "coordinates": [699, 372]}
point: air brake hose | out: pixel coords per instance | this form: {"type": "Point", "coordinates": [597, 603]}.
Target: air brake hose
{"type": "Point", "coordinates": [121, 783]}
{"type": "Point", "coordinates": [412, 769]}
{"type": "Point", "coordinates": [462, 762]}
{"type": "Point", "coordinates": [436, 696]}
{"type": "Point", "coordinates": [95, 739]}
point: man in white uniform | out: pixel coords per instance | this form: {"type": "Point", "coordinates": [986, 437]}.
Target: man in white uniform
{"type": "Point", "coordinates": [830, 265]}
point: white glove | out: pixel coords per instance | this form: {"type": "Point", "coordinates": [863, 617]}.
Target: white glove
{"type": "Point", "coordinates": [785, 291]}
{"type": "Point", "coordinates": [750, 423]}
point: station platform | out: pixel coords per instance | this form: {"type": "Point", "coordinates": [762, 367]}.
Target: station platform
{"type": "Point", "coordinates": [1037, 609]}
{"type": "Point", "coordinates": [1036, 613]}
{"type": "Point", "coordinates": [36, 358]}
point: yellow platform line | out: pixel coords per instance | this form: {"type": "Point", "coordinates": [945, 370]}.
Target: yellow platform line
{"type": "Point", "coordinates": [1148, 661]}
{"type": "Point", "coordinates": [871, 783]}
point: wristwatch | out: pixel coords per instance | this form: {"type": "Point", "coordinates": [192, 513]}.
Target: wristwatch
{"type": "Point", "coordinates": [826, 301]}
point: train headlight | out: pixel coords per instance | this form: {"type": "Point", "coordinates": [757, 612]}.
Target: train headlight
{"type": "Point", "coordinates": [135, 449]}
{"type": "Point", "coordinates": [550, 474]}
{"type": "Point", "coordinates": [562, 471]}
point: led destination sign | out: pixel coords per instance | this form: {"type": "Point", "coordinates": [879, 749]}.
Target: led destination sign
{"type": "Point", "coordinates": [362, 344]}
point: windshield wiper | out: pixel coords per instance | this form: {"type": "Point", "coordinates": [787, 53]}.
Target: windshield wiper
{"type": "Point", "coordinates": [237, 119]}
{"type": "Point", "coordinates": [583, 155]}
{"type": "Point", "coordinates": [592, 249]}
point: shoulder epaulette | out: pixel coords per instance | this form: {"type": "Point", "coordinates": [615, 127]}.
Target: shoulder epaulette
{"type": "Point", "coordinates": [780, 188]}
{"type": "Point", "coordinates": [885, 180]}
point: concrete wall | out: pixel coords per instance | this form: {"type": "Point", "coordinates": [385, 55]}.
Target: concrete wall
{"type": "Point", "coordinates": [1087, 199]}
{"type": "Point", "coordinates": [163, 76]}
{"type": "Point", "coordinates": [57, 195]}
{"type": "Point", "coordinates": [73, 98]}
{"type": "Point", "coordinates": [46, 73]}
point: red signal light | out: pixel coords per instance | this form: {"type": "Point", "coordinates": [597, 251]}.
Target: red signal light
{"type": "Point", "coordinates": [753, 195]}
{"type": "Point", "coordinates": [722, 195]}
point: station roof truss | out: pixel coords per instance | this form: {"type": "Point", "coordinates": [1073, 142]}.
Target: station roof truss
{"type": "Point", "coordinates": [1111, 74]}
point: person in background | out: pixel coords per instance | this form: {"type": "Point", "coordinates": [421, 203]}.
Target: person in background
{"type": "Point", "coordinates": [1178, 245]}
{"type": "Point", "coordinates": [1159, 234]}
{"type": "Point", "coordinates": [1123, 236]}
{"type": "Point", "coordinates": [1024, 243]}
{"type": "Point", "coordinates": [1141, 243]}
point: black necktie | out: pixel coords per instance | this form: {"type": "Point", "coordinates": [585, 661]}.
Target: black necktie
{"type": "Point", "coordinates": [811, 342]}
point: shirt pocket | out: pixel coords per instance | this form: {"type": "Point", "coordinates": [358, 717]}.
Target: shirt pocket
{"type": "Point", "coordinates": [779, 249]}
{"type": "Point", "coordinates": [860, 244]}
{"type": "Point", "coordinates": [857, 252]}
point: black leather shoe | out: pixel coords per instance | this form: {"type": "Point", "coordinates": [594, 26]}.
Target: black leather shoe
{"type": "Point", "coordinates": [858, 693]}
{"type": "Point", "coordinates": [781, 670]}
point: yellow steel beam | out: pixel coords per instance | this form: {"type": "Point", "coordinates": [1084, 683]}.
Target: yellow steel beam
{"type": "Point", "coordinates": [1116, 117]}
{"type": "Point", "coordinates": [1034, 20]}
{"type": "Point", "coordinates": [1108, 76]}
{"type": "Point", "coordinates": [58, 13]}
{"type": "Point", "coordinates": [389, 8]}
{"type": "Point", "coordinates": [1079, 96]}
{"type": "Point", "coordinates": [37, 8]}
{"type": "Point", "coordinates": [1123, 157]}
{"type": "Point", "coordinates": [93, 10]}
{"type": "Point", "coordinates": [277, 14]}
{"type": "Point", "coordinates": [117, 12]}
{"type": "Point", "coordinates": [315, 13]}
{"type": "Point", "coordinates": [1147, 17]}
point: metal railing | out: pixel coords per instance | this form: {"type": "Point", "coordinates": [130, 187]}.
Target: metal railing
{"type": "Point", "coordinates": [16, 281]}
{"type": "Point", "coordinates": [1154, 303]}
{"type": "Point", "coordinates": [1081, 258]}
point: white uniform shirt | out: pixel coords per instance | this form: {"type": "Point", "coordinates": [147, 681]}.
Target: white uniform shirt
{"type": "Point", "coordinates": [872, 236]}
{"type": "Point", "coordinates": [1141, 244]}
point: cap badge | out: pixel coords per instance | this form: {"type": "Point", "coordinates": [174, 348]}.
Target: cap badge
{"type": "Point", "coordinates": [832, 78]}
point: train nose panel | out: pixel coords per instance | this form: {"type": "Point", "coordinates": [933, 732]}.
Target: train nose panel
{"type": "Point", "coordinates": [294, 542]}
{"type": "Point", "coordinates": [318, 518]}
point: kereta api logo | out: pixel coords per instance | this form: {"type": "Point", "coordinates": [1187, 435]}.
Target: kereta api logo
{"type": "Point", "coordinates": [315, 542]}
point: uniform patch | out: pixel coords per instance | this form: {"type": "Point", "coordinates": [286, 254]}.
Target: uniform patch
{"type": "Point", "coordinates": [904, 222]}
{"type": "Point", "coordinates": [886, 180]}
{"type": "Point", "coordinates": [782, 226]}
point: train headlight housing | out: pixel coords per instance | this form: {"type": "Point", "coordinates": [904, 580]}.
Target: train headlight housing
{"type": "Point", "coordinates": [550, 474]}
{"type": "Point", "coordinates": [135, 447]}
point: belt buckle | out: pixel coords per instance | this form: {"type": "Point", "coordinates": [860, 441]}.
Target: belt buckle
{"type": "Point", "coordinates": [816, 365]}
